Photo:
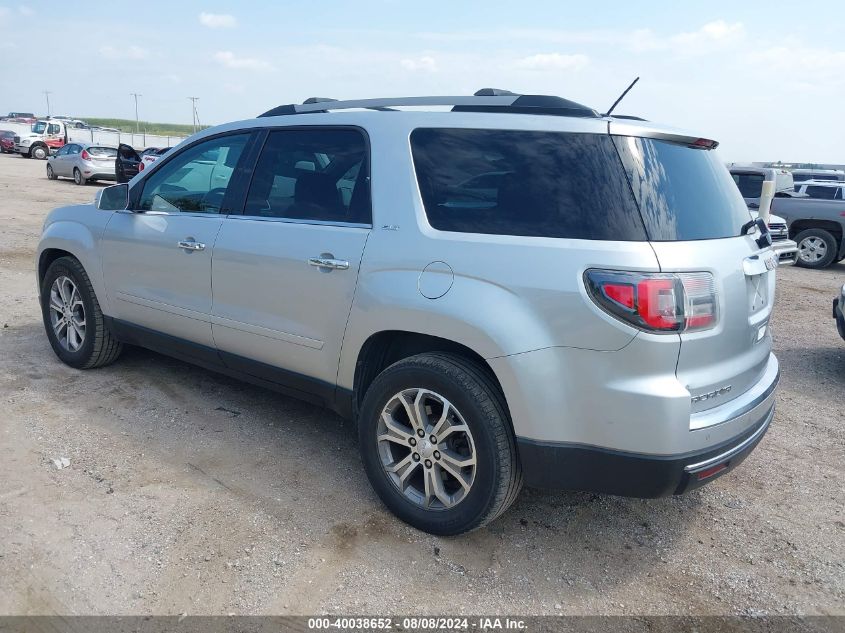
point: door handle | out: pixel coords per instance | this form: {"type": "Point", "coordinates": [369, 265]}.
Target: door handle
{"type": "Point", "coordinates": [328, 262]}
{"type": "Point", "coordinates": [191, 245]}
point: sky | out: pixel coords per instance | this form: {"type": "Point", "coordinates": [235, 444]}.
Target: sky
{"type": "Point", "coordinates": [765, 79]}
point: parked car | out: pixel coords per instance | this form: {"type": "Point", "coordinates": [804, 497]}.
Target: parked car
{"type": "Point", "coordinates": [603, 326]}
{"type": "Point", "coordinates": [839, 312]}
{"type": "Point", "coordinates": [129, 162]}
{"type": "Point", "coordinates": [7, 142]}
{"type": "Point", "coordinates": [749, 180]}
{"type": "Point", "coordinates": [151, 155]}
{"type": "Point", "coordinates": [126, 162]}
{"type": "Point", "coordinates": [822, 189]}
{"type": "Point", "coordinates": [84, 162]}
{"type": "Point", "coordinates": [800, 175]}
{"type": "Point", "coordinates": [817, 225]}
{"type": "Point", "coordinates": [19, 117]}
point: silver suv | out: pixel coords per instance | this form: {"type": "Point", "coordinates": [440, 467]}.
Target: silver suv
{"type": "Point", "coordinates": [513, 289]}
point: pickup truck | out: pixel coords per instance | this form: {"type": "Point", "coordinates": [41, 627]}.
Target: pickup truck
{"type": "Point", "coordinates": [816, 225]}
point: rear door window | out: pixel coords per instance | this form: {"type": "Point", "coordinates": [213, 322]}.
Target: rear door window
{"type": "Point", "coordinates": [821, 192]}
{"type": "Point", "coordinates": [315, 174]}
{"type": "Point", "coordinates": [510, 182]}
{"type": "Point", "coordinates": [684, 193]}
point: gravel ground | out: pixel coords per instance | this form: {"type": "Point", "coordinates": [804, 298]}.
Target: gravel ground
{"type": "Point", "coordinates": [188, 492]}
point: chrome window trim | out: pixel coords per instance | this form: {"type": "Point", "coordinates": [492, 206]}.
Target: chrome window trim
{"type": "Point", "coordinates": [261, 218]}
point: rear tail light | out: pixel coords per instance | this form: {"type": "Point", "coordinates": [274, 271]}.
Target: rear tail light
{"type": "Point", "coordinates": [86, 155]}
{"type": "Point", "coordinates": [656, 302]}
{"type": "Point", "coordinates": [141, 166]}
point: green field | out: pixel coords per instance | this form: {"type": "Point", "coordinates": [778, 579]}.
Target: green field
{"type": "Point", "coordinates": [127, 125]}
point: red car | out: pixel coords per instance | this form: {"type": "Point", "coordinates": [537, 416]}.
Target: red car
{"type": "Point", "coordinates": [7, 142]}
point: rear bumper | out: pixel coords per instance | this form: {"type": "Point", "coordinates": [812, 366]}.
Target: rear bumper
{"type": "Point", "coordinates": [560, 466]}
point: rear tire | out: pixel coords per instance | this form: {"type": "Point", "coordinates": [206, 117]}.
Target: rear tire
{"type": "Point", "coordinates": [817, 248]}
{"type": "Point", "coordinates": [426, 493]}
{"type": "Point", "coordinates": [66, 291]}
{"type": "Point", "coordinates": [78, 178]}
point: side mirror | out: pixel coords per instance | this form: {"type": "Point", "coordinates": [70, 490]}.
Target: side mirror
{"type": "Point", "coordinates": [114, 198]}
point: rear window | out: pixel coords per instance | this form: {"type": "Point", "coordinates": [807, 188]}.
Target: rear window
{"type": "Point", "coordinates": [103, 152]}
{"type": "Point", "coordinates": [750, 185]}
{"type": "Point", "coordinates": [684, 193]}
{"type": "Point", "coordinates": [508, 182]}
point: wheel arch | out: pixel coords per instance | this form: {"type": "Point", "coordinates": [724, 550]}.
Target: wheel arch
{"type": "Point", "coordinates": [384, 348]}
{"type": "Point", "coordinates": [71, 239]}
{"type": "Point", "coordinates": [831, 226]}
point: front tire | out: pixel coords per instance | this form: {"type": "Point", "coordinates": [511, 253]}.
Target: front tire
{"type": "Point", "coordinates": [40, 152]}
{"type": "Point", "coordinates": [437, 445]}
{"type": "Point", "coordinates": [72, 317]}
{"type": "Point", "coordinates": [817, 248]}
{"type": "Point", "coordinates": [50, 173]}
{"type": "Point", "coordinates": [78, 178]}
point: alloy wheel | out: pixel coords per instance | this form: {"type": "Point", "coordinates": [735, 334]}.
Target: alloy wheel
{"type": "Point", "coordinates": [426, 449]}
{"type": "Point", "coordinates": [812, 249]}
{"type": "Point", "coordinates": [67, 314]}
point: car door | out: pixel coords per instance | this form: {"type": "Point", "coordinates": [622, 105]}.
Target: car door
{"type": "Point", "coordinates": [157, 254]}
{"type": "Point", "coordinates": [285, 271]}
{"type": "Point", "coordinates": [59, 161]}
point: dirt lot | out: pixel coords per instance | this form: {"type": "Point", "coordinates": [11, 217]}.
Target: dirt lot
{"type": "Point", "coordinates": [188, 492]}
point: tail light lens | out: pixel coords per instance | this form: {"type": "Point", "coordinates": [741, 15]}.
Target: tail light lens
{"type": "Point", "coordinates": [141, 166]}
{"type": "Point", "coordinates": [85, 155]}
{"type": "Point", "coordinates": [656, 302]}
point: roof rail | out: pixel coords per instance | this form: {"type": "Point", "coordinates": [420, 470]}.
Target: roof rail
{"type": "Point", "coordinates": [485, 100]}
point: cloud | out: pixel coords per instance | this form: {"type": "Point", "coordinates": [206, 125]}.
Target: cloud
{"type": "Point", "coordinates": [129, 52]}
{"type": "Point", "coordinates": [425, 63]}
{"type": "Point", "coordinates": [806, 63]}
{"type": "Point", "coordinates": [25, 10]}
{"type": "Point", "coordinates": [229, 60]}
{"type": "Point", "coordinates": [553, 61]}
{"type": "Point", "coordinates": [712, 35]}
{"type": "Point", "coordinates": [218, 20]}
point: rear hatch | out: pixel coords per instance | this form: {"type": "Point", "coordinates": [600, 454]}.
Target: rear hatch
{"type": "Point", "coordinates": [694, 216]}
{"type": "Point", "coordinates": [102, 156]}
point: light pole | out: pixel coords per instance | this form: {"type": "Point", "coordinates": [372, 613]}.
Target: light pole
{"type": "Point", "coordinates": [137, 125]}
{"type": "Point", "coordinates": [47, 94]}
{"type": "Point", "coordinates": [194, 116]}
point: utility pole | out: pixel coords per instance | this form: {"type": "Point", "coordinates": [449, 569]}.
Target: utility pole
{"type": "Point", "coordinates": [195, 117]}
{"type": "Point", "coordinates": [137, 125]}
{"type": "Point", "coordinates": [47, 94]}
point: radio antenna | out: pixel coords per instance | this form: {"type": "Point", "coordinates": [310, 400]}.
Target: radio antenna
{"type": "Point", "coordinates": [622, 96]}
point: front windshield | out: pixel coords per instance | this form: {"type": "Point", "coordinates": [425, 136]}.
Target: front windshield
{"type": "Point", "coordinates": [39, 127]}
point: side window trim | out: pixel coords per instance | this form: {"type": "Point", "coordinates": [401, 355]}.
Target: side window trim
{"type": "Point", "coordinates": [259, 145]}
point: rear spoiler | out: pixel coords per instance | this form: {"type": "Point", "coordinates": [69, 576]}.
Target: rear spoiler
{"type": "Point", "coordinates": [649, 130]}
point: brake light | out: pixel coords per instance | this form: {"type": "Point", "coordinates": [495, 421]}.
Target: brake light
{"type": "Point", "coordinates": [704, 143]}
{"type": "Point", "coordinates": [141, 166]}
{"type": "Point", "coordinates": [656, 302]}
{"type": "Point", "coordinates": [85, 155]}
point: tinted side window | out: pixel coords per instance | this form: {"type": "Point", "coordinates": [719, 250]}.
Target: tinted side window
{"type": "Point", "coordinates": [196, 180]}
{"type": "Point", "coordinates": [750, 185]}
{"type": "Point", "coordinates": [823, 193]}
{"type": "Point", "coordinates": [312, 174]}
{"type": "Point", "coordinates": [684, 193]}
{"type": "Point", "coordinates": [542, 184]}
